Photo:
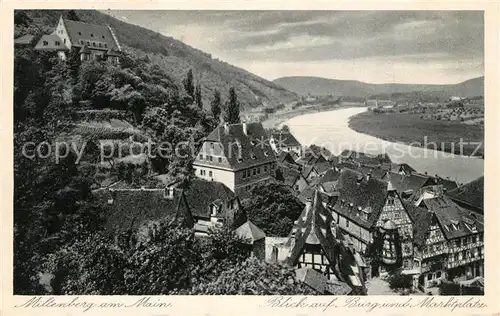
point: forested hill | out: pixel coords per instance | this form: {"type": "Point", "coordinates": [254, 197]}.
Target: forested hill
{"type": "Point", "coordinates": [323, 86]}
{"type": "Point", "coordinates": [177, 58]}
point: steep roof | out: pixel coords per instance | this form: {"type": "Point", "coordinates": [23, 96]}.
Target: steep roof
{"type": "Point", "coordinates": [356, 192]}
{"type": "Point", "coordinates": [455, 221]}
{"type": "Point", "coordinates": [470, 194]}
{"type": "Point", "coordinates": [112, 53]}
{"type": "Point", "coordinates": [447, 184]}
{"type": "Point", "coordinates": [80, 33]}
{"type": "Point", "coordinates": [130, 208]}
{"type": "Point", "coordinates": [284, 139]}
{"type": "Point", "coordinates": [422, 219]}
{"type": "Point", "coordinates": [255, 148]}
{"type": "Point", "coordinates": [289, 175]}
{"type": "Point", "coordinates": [404, 167]}
{"type": "Point", "coordinates": [201, 193]}
{"type": "Point", "coordinates": [320, 283]}
{"type": "Point", "coordinates": [329, 176]}
{"type": "Point", "coordinates": [413, 182]}
{"type": "Point", "coordinates": [314, 227]}
{"type": "Point", "coordinates": [51, 41]}
{"type": "Point", "coordinates": [285, 156]}
{"type": "Point", "coordinates": [249, 231]}
{"type": "Point", "coordinates": [24, 40]}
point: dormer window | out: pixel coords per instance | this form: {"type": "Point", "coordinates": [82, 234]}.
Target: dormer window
{"type": "Point", "coordinates": [169, 193]}
{"type": "Point", "coordinates": [79, 33]}
{"type": "Point", "coordinates": [91, 35]}
{"type": "Point", "coordinates": [45, 43]}
{"type": "Point", "coordinates": [105, 45]}
{"type": "Point", "coordinates": [240, 160]}
{"type": "Point", "coordinates": [266, 154]}
{"type": "Point", "coordinates": [102, 36]}
{"type": "Point", "coordinates": [57, 43]}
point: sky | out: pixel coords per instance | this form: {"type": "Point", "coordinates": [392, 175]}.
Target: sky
{"type": "Point", "coordinates": [427, 47]}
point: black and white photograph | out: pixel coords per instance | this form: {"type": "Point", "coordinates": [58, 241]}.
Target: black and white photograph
{"type": "Point", "coordinates": [247, 152]}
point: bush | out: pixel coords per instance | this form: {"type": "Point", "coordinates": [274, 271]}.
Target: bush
{"type": "Point", "coordinates": [399, 281]}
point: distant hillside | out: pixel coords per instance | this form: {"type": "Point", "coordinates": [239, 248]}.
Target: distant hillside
{"type": "Point", "coordinates": [323, 86]}
{"type": "Point", "coordinates": [177, 58]}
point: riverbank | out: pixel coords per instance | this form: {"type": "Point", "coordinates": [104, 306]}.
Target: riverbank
{"type": "Point", "coordinates": [276, 119]}
{"type": "Point", "coordinates": [410, 129]}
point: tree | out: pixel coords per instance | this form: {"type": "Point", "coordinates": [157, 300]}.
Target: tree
{"type": "Point", "coordinates": [253, 277]}
{"type": "Point", "coordinates": [189, 84]}
{"type": "Point", "coordinates": [198, 99]}
{"type": "Point", "coordinates": [232, 108]}
{"type": "Point", "coordinates": [285, 129]}
{"type": "Point", "coordinates": [273, 207]}
{"type": "Point", "coordinates": [72, 16]}
{"type": "Point", "coordinates": [216, 105]}
{"type": "Point", "coordinates": [400, 281]}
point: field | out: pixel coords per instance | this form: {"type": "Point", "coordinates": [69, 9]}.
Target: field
{"type": "Point", "coordinates": [411, 128]}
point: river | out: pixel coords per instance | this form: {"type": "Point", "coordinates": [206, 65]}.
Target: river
{"type": "Point", "coordinates": [331, 130]}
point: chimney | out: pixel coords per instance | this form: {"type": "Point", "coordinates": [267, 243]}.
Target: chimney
{"type": "Point", "coordinates": [226, 128]}
{"type": "Point", "coordinates": [245, 131]}
{"type": "Point", "coordinates": [368, 176]}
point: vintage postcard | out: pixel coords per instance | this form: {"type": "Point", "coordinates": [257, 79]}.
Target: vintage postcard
{"type": "Point", "coordinates": [210, 159]}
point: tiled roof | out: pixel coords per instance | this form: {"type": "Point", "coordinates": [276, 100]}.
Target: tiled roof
{"type": "Point", "coordinates": [447, 184]}
{"type": "Point", "coordinates": [422, 219]}
{"type": "Point", "coordinates": [413, 182]}
{"type": "Point", "coordinates": [288, 175]}
{"type": "Point", "coordinates": [200, 194]}
{"type": "Point", "coordinates": [25, 40]}
{"type": "Point", "coordinates": [322, 167]}
{"type": "Point", "coordinates": [314, 227]}
{"type": "Point", "coordinates": [308, 169]}
{"type": "Point", "coordinates": [285, 156]}
{"type": "Point", "coordinates": [329, 176]}
{"type": "Point", "coordinates": [470, 194]}
{"type": "Point", "coordinates": [131, 208]}
{"type": "Point", "coordinates": [255, 148]}
{"type": "Point", "coordinates": [365, 158]}
{"type": "Point", "coordinates": [51, 41]}
{"type": "Point", "coordinates": [356, 190]}
{"type": "Point", "coordinates": [285, 139]}
{"type": "Point", "coordinates": [402, 167]}
{"type": "Point", "coordinates": [249, 231]}
{"type": "Point", "coordinates": [113, 53]}
{"type": "Point", "coordinates": [455, 221]}
{"type": "Point", "coordinates": [312, 278]}
{"type": "Point", "coordinates": [80, 31]}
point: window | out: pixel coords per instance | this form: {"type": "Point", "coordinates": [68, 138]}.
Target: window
{"type": "Point", "coordinates": [429, 276]}
{"type": "Point", "coordinates": [265, 169]}
{"type": "Point", "coordinates": [210, 173]}
{"type": "Point", "coordinates": [64, 41]}
{"type": "Point", "coordinates": [100, 44]}
{"type": "Point", "coordinates": [45, 43]}
{"type": "Point", "coordinates": [254, 172]}
{"type": "Point", "coordinates": [79, 33]}
{"type": "Point", "coordinates": [211, 158]}
{"type": "Point", "coordinates": [105, 45]}
{"type": "Point", "coordinates": [346, 223]}
{"type": "Point", "coordinates": [88, 43]}
{"type": "Point", "coordinates": [102, 36]}
{"type": "Point", "coordinates": [220, 159]}
{"type": "Point", "coordinates": [200, 157]}
{"type": "Point", "coordinates": [91, 35]}
{"type": "Point", "coordinates": [93, 44]}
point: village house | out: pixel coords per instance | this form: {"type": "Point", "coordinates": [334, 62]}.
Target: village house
{"type": "Point", "coordinates": [198, 204]}
{"type": "Point", "coordinates": [316, 243]}
{"type": "Point", "coordinates": [91, 41]}
{"type": "Point", "coordinates": [283, 141]}
{"type": "Point", "coordinates": [364, 159]}
{"type": "Point", "coordinates": [237, 155]}
{"type": "Point", "coordinates": [254, 239]}
{"type": "Point", "coordinates": [448, 242]}
{"type": "Point", "coordinates": [366, 204]}
{"type": "Point", "coordinates": [292, 177]}
{"type": "Point", "coordinates": [408, 184]}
